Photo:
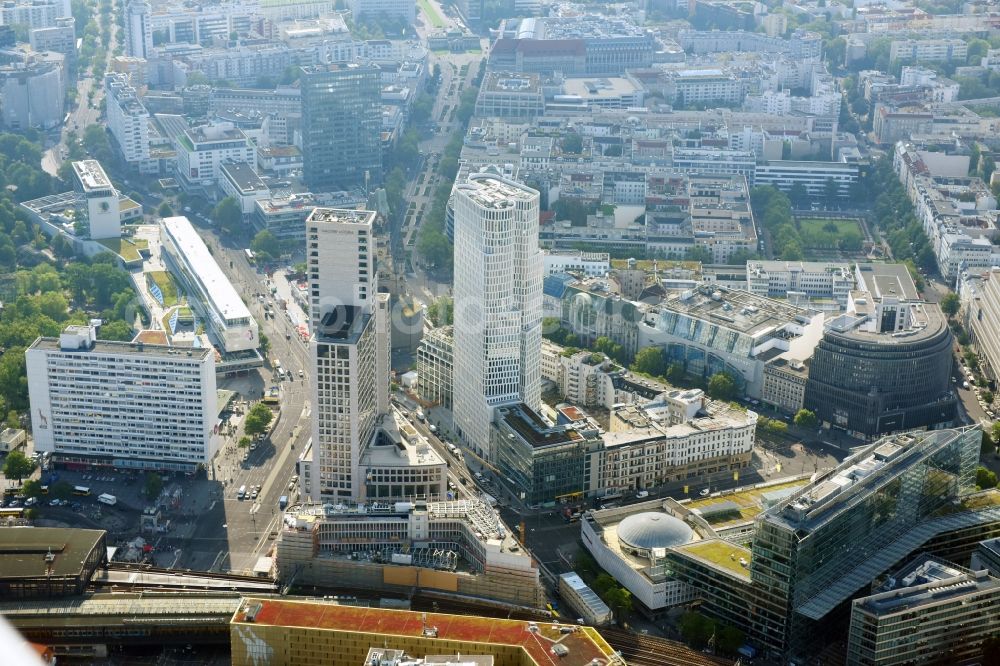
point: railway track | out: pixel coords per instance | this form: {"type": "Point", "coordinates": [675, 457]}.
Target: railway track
{"type": "Point", "coordinates": [639, 650]}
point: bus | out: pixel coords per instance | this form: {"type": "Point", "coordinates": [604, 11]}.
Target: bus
{"type": "Point", "coordinates": [12, 512]}
{"type": "Point", "coordinates": [83, 491]}
{"type": "Point", "coordinates": [251, 259]}
{"type": "Point", "coordinates": [278, 370]}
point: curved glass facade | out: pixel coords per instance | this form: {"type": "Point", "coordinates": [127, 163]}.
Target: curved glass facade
{"type": "Point", "coordinates": [880, 384]}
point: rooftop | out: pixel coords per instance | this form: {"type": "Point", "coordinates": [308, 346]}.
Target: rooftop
{"type": "Point", "coordinates": [361, 218]}
{"type": "Point", "coordinates": [737, 310]}
{"type": "Point", "coordinates": [491, 191]}
{"type": "Point", "coordinates": [582, 646]}
{"type": "Point", "coordinates": [225, 299]}
{"type": "Point", "coordinates": [721, 554]}
{"type": "Point", "coordinates": [532, 429]}
{"type": "Point", "coordinates": [116, 348]}
{"type": "Point", "coordinates": [881, 280]}
{"type": "Point", "coordinates": [932, 593]}
{"type": "Point", "coordinates": [750, 502]}
{"type": "Point", "coordinates": [243, 176]}
{"type": "Point", "coordinates": [24, 551]}
{"type": "Point", "coordinates": [91, 175]}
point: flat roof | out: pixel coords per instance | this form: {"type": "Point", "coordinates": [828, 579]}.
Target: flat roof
{"type": "Point", "coordinates": [536, 432]}
{"type": "Point", "coordinates": [731, 558]}
{"type": "Point", "coordinates": [200, 261]}
{"type": "Point", "coordinates": [91, 175]}
{"type": "Point", "coordinates": [737, 310]}
{"type": "Point", "coordinates": [583, 645]}
{"type": "Point", "coordinates": [883, 280]}
{"type": "Point", "coordinates": [243, 176]}
{"type": "Point", "coordinates": [23, 550]}
{"type": "Point", "coordinates": [121, 608]}
{"type": "Point", "coordinates": [492, 191]}
{"type": "Point", "coordinates": [936, 592]}
{"type": "Point", "coordinates": [137, 347]}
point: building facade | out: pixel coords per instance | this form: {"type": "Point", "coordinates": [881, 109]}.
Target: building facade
{"type": "Point", "coordinates": [146, 406]}
{"type": "Point", "coordinates": [498, 303]}
{"type": "Point", "coordinates": [341, 126]}
{"type": "Point", "coordinates": [435, 366]}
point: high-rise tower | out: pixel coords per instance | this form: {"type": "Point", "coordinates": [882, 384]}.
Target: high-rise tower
{"type": "Point", "coordinates": [138, 29]}
{"type": "Point", "coordinates": [341, 126]}
{"type": "Point", "coordinates": [498, 302]}
{"type": "Point", "coordinates": [350, 347]}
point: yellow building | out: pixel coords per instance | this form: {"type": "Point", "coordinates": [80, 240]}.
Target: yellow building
{"type": "Point", "coordinates": [300, 633]}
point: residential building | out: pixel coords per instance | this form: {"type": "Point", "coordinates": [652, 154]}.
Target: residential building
{"type": "Point", "coordinates": [928, 611]}
{"type": "Point", "coordinates": [139, 29]}
{"type": "Point", "coordinates": [282, 107]}
{"type": "Point", "coordinates": [341, 125]}
{"type": "Point", "coordinates": [983, 318]}
{"type": "Point", "coordinates": [101, 198]}
{"type": "Point", "coordinates": [202, 150]}
{"type": "Point", "coordinates": [33, 13]}
{"type": "Point", "coordinates": [136, 69]}
{"type": "Point", "coordinates": [435, 369]}
{"type": "Point", "coordinates": [884, 366]}
{"type": "Point", "coordinates": [721, 218]}
{"type": "Point", "coordinates": [76, 555]}
{"type": "Point", "coordinates": [498, 302]}
{"type": "Point", "coordinates": [716, 162]}
{"type": "Point", "coordinates": [213, 298]}
{"type": "Point", "coordinates": [128, 119]}
{"type": "Point", "coordinates": [803, 44]}
{"type": "Point", "coordinates": [785, 384]}
{"type": "Point", "coordinates": [707, 86]}
{"type": "Point", "coordinates": [713, 329]}
{"type": "Point", "coordinates": [679, 435]}
{"type": "Point", "coordinates": [161, 413]}
{"type": "Point", "coordinates": [284, 217]}
{"type": "Point", "coordinates": [816, 177]}
{"type": "Point", "coordinates": [928, 50]}
{"type": "Point", "coordinates": [816, 280]}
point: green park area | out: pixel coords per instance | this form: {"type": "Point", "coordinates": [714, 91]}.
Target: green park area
{"type": "Point", "coordinates": [830, 234]}
{"type": "Point", "coordinates": [431, 13]}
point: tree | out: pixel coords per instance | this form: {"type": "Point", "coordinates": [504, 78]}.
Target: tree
{"type": "Point", "coordinates": [722, 386]}
{"type": "Point", "coordinates": [257, 419]}
{"type": "Point", "coordinates": [987, 397]}
{"type": "Point", "coordinates": [165, 209]}
{"type": "Point", "coordinates": [699, 253]}
{"type": "Point", "coordinates": [13, 420]}
{"type": "Point", "coordinates": [805, 419]}
{"type": "Point", "coordinates": [798, 193]}
{"type": "Point", "coordinates": [228, 215]}
{"type": "Point", "coordinates": [17, 466]}
{"type": "Point", "coordinates": [985, 478]}
{"type": "Point", "coordinates": [619, 600]}
{"type": "Point", "coordinates": [442, 311]}
{"type": "Point", "coordinates": [244, 442]}
{"type": "Point", "coordinates": [265, 344]}
{"type": "Point", "coordinates": [650, 361]}
{"type": "Point", "coordinates": [116, 330]}
{"type": "Point", "coordinates": [696, 629]}
{"type": "Point", "coordinates": [153, 486]}
{"type": "Point", "coordinates": [728, 639]}
{"type": "Point", "coordinates": [266, 245]}
{"type": "Point", "coordinates": [62, 490]}
{"type": "Point", "coordinates": [950, 304]}
{"type": "Point", "coordinates": [572, 143]}
{"type": "Point", "coordinates": [32, 488]}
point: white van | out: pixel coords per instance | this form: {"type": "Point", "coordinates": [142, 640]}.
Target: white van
{"type": "Point", "coordinates": [642, 493]}
{"type": "Point", "coordinates": [241, 493]}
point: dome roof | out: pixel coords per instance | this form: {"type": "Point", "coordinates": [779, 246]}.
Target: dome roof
{"type": "Point", "coordinates": [651, 529]}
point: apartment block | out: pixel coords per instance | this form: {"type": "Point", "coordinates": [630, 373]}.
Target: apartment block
{"type": "Point", "coordinates": [201, 152]}
{"type": "Point", "coordinates": [146, 406]}
{"type": "Point", "coordinates": [928, 50]}
{"type": "Point", "coordinates": [128, 119]}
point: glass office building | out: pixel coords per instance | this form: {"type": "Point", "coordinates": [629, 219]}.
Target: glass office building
{"type": "Point", "coordinates": [824, 544]}
{"type": "Point", "coordinates": [341, 126]}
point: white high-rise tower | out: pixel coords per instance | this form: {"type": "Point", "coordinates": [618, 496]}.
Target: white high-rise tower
{"type": "Point", "coordinates": [138, 29]}
{"type": "Point", "coordinates": [498, 303]}
{"type": "Point", "coordinates": [350, 347]}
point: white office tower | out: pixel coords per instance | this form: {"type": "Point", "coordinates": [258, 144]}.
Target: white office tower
{"type": "Point", "coordinates": [498, 303]}
{"type": "Point", "coordinates": [139, 29]}
{"type": "Point", "coordinates": [350, 345]}
{"type": "Point", "coordinates": [122, 404]}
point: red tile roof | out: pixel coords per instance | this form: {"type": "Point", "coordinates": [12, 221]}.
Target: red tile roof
{"type": "Point", "coordinates": [584, 644]}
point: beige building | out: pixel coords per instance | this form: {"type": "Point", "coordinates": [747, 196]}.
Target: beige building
{"type": "Point", "coordinates": [785, 384]}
